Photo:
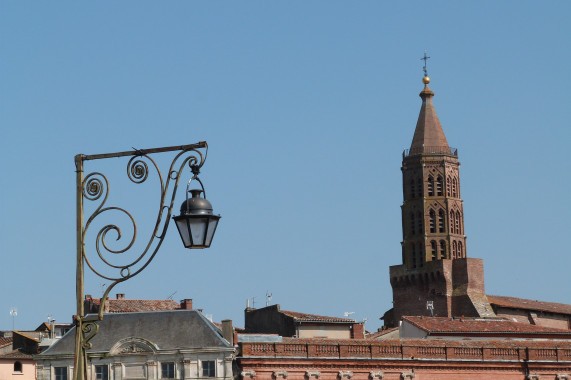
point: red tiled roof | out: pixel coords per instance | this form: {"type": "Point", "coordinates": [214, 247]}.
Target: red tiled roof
{"type": "Point", "coordinates": [467, 326]}
{"type": "Point", "coordinates": [380, 333]}
{"type": "Point", "coordinates": [5, 341]}
{"type": "Point", "coordinates": [129, 306]}
{"type": "Point", "coordinates": [16, 354]}
{"type": "Point", "coordinates": [520, 303]}
{"type": "Point", "coordinates": [303, 317]}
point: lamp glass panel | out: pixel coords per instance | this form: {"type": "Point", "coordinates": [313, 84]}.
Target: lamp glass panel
{"type": "Point", "coordinates": [211, 229]}
{"type": "Point", "coordinates": [182, 226]}
{"type": "Point", "coordinates": [198, 229]}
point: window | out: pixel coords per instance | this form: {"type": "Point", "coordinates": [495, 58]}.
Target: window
{"type": "Point", "coordinates": [440, 220]}
{"type": "Point", "coordinates": [454, 187]}
{"type": "Point", "coordinates": [452, 217]}
{"type": "Point", "coordinates": [420, 222]}
{"type": "Point", "coordinates": [167, 370]}
{"type": "Point", "coordinates": [60, 373]}
{"type": "Point", "coordinates": [443, 249]}
{"type": "Point", "coordinates": [419, 187]}
{"type": "Point", "coordinates": [101, 372]}
{"type": "Point", "coordinates": [453, 249]}
{"type": "Point", "coordinates": [421, 255]}
{"type": "Point", "coordinates": [460, 250]}
{"type": "Point", "coordinates": [412, 224]}
{"type": "Point", "coordinates": [414, 256]}
{"type": "Point", "coordinates": [439, 186]}
{"type": "Point", "coordinates": [432, 221]}
{"type": "Point", "coordinates": [448, 180]}
{"type": "Point", "coordinates": [430, 186]}
{"type": "Point", "coordinates": [434, 250]}
{"type": "Point", "coordinates": [208, 368]}
{"type": "Point", "coordinates": [457, 221]}
{"type": "Point", "coordinates": [412, 194]}
{"type": "Point", "coordinates": [17, 367]}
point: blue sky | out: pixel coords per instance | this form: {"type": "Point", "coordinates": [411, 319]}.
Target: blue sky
{"type": "Point", "coordinates": [306, 107]}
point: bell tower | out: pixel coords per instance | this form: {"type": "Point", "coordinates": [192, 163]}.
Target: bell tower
{"type": "Point", "coordinates": [435, 277]}
{"type": "Point", "coordinates": [432, 213]}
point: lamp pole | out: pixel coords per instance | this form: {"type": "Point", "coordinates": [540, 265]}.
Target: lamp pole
{"type": "Point", "coordinates": [196, 225]}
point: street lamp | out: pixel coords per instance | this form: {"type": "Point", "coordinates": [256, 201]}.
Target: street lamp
{"type": "Point", "coordinates": [196, 225]}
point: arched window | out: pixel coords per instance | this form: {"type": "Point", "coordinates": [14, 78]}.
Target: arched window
{"type": "Point", "coordinates": [432, 221]}
{"type": "Point", "coordinates": [448, 185]}
{"type": "Point", "coordinates": [430, 186]}
{"type": "Point", "coordinates": [439, 186]}
{"type": "Point", "coordinates": [452, 217]}
{"type": "Point", "coordinates": [421, 255]}
{"type": "Point", "coordinates": [440, 220]}
{"type": "Point", "coordinates": [454, 188]}
{"type": "Point", "coordinates": [412, 224]}
{"type": "Point", "coordinates": [420, 222]}
{"type": "Point", "coordinates": [460, 250]}
{"type": "Point", "coordinates": [434, 249]}
{"type": "Point", "coordinates": [457, 222]}
{"type": "Point", "coordinates": [443, 250]}
{"type": "Point", "coordinates": [413, 254]}
{"type": "Point", "coordinates": [454, 250]}
{"type": "Point", "coordinates": [17, 367]}
{"type": "Point", "coordinates": [412, 194]}
{"type": "Point", "coordinates": [419, 187]}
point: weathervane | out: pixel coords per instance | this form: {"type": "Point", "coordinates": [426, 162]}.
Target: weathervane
{"type": "Point", "coordinates": [425, 58]}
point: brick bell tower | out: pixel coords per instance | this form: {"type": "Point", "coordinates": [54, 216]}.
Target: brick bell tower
{"type": "Point", "coordinates": [436, 277]}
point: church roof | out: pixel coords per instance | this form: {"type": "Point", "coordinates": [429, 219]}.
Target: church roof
{"type": "Point", "coordinates": [172, 329]}
{"type": "Point", "coordinates": [520, 303]}
{"type": "Point", "coordinates": [428, 136]}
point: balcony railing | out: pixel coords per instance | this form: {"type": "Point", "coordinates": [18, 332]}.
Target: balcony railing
{"type": "Point", "coordinates": [441, 150]}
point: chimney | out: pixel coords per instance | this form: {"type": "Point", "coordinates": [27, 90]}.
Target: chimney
{"type": "Point", "coordinates": [52, 328]}
{"type": "Point", "coordinates": [358, 331]}
{"type": "Point", "coordinates": [228, 331]}
{"type": "Point", "coordinates": [120, 296]}
{"type": "Point", "coordinates": [186, 304]}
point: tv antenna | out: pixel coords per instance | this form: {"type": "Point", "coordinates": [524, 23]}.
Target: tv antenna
{"type": "Point", "coordinates": [172, 295]}
{"type": "Point", "coordinates": [49, 318]}
{"type": "Point", "coordinates": [430, 307]}
{"type": "Point", "coordinates": [268, 298]}
{"type": "Point", "coordinates": [14, 314]}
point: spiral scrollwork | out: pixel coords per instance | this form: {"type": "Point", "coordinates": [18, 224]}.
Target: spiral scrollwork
{"type": "Point", "coordinates": [93, 186]}
{"type": "Point", "coordinates": [88, 329]}
{"type": "Point", "coordinates": [137, 170]}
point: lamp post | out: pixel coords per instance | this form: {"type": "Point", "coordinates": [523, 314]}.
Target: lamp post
{"type": "Point", "coordinates": [196, 225]}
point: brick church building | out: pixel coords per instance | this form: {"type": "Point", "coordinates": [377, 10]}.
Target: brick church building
{"type": "Point", "coordinates": [442, 325]}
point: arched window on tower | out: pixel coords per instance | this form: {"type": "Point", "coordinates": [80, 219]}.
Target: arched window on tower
{"type": "Point", "coordinates": [420, 222]}
{"type": "Point", "coordinates": [432, 221]}
{"type": "Point", "coordinates": [17, 367]}
{"type": "Point", "coordinates": [421, 255]}
{"type": "Point", "coordinates": [430, 186]}
{"type": "Point", "coordinates": [411, 189]}
{"type": "Point", "coordinates": [454, 250]}
{"type": "Point", "coordinates": [441, 220]}
{"type": "Point", "coordinates": [457, 223]}
{"type": "Point", "coordinates": [452, 217]}
{"type": "Point", "coordinates": [448, 186]}
{"type": "Point", "coordinates": [443, 254]}
{"type": "Point", "coordinates": [439, 186]}
{"type": "Point", "coordinates": [434, 249]}
{"type": "Point", "coordinates": [412, 224]}
{"type": "Point", "coordinates": [413, 256]}
{"type": "Point", "coordinates": [419, 187]}
{"type": "Point", "coordinates": [454, 187]}
{"type": "Point", "coordinates": [460, 250]}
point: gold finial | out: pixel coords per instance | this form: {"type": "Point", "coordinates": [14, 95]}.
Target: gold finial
{"type": "Point", "coordinates": [426, 79]}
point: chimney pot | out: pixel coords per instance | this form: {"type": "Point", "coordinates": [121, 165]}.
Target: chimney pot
{"type": "Point", "coordinates": [120, 296]}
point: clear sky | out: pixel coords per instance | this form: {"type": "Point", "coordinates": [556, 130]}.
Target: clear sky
{"type": "Point", "coordinates": [307, 107]}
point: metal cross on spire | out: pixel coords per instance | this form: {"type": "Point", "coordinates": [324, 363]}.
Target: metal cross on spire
{"type": "Point", "coordinates": [425, 58]}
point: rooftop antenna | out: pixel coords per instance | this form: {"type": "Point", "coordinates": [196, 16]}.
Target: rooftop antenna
{"type": "Point", "coordinates": [172, 295]}
{"type": "Point", "coordinates": [430, 307]}
{"type": "Point", "coordinates": [268, 298]}
{"type": "Point", "coordinates": [425, 58]}
{"type": "Point", "coordinates": [348, 313]}
{"type": "Point", "coordinates": [253, 302]}
{"type": "Point", "coordinates": [14, 314]}
{"type": "Point", "coordinates": [49, 318]}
